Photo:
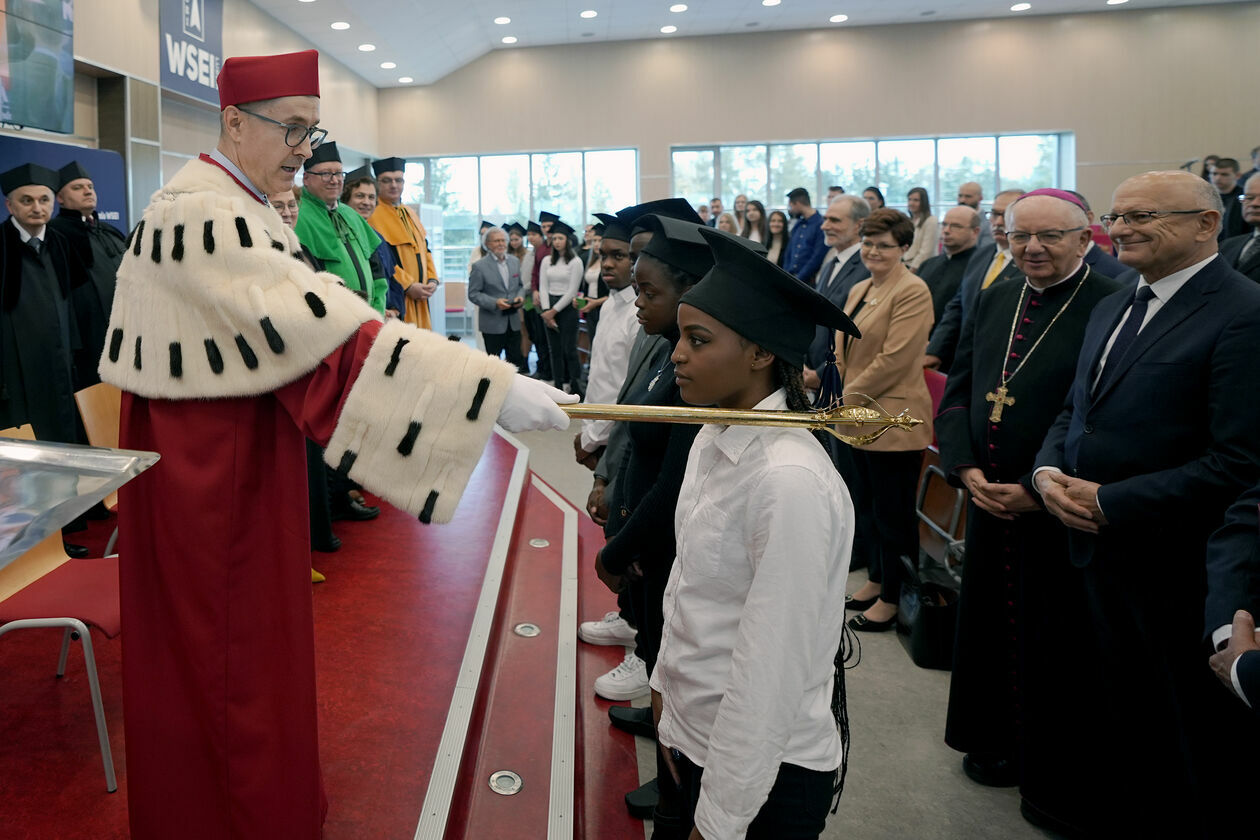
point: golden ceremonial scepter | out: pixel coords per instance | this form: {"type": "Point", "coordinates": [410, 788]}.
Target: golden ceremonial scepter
{"type": "Point", "coordinates": [824, 419]}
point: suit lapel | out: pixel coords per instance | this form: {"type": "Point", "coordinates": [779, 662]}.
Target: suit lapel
{"type": "Point", "coordinates": [1252, 261]}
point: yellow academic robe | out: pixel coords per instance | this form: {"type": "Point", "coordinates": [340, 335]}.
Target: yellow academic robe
{"type": "Point", "coordinates": [401, 229]}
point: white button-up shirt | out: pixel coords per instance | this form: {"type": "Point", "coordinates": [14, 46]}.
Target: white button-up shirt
{"type": "Point", "coordinates": [754, 612]}
{"type": "Point", "coordinates": [610, 360]}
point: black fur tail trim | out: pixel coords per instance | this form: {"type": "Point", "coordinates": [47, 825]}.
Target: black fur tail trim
{"type": "Point", "coordinates": [247, 352]}
{"type": "Point", "coordinates": [242, 231]}
{"type": "Point", "coordinates": [213, 356]}
{"type": "Point", "coordinates": [426, 514]}
{"type": "Point", "coordinates": [115, 344]}
{"type": "Point", "coordinates": [317, 306]}
{"type": "Point", "coordinates": [347, 463]}
{"type": "Point", "coordinates": [177, 250]}
{"type": "Point", "coordinates": [274, 341]}
{"type": "Point", "coordinates": [396, 357]}
{"type": "Point", "coordinates": [136, 359]}
{"type": "Point", "coordinates": [409, 440]}
{"type": "Point", "coordinates": [482, 387]}
{"type": "Point", "coordinates": [207, 236]}
{"type": "Point", "coordinates": [177, 360]}
{"type": "Point", "coordinates": [157, 245]}
{"type": "Point", "coordinates": [138, 234]}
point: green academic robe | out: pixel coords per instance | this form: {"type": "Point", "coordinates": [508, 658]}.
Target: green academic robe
{"type": "Point", "coordinates": [351, 258]}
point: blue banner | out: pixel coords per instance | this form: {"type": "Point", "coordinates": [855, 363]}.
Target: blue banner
{"type": "Point", "coordinates": [106, 168]}
{"type": "Point", "coordinates": [192, 47]}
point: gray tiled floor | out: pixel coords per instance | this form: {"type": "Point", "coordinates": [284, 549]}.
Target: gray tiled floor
{"type": "Point", "coordinates": [903, 781]}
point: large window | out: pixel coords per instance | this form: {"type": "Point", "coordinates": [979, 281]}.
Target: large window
{"type": "Point", "coordinates": [896, 165]}
{"type": "Point", "coordinates": [506, 188]}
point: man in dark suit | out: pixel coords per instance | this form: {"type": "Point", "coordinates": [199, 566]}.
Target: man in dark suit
{"type": "Point", "coordinates": [1225, 178]}
{"type": "Point", "coordinates": [1233, 597]}
{"type": "Point", "coordinates": [1243, 252]}
{"type": "Point", "coordinates": [837, 277]}
{"type": "Point", "coordinates": [1158, 437]}
{"type": "Point", "coordinates": [988, 264]}
{"type": "Point", "coordinates": [943, 273]}
{"type": "Point", "coordinates": [495, 286]}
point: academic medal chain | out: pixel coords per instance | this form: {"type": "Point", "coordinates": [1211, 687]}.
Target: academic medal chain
{"type": "Point", "coordinates": [1000, 397]}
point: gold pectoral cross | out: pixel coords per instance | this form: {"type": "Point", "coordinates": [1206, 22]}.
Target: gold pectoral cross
{"type": "Point", "coordinates": [1000, 400]}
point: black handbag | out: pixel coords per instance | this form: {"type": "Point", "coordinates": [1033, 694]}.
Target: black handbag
{"type": "Point", "coordinates": [928, 613]}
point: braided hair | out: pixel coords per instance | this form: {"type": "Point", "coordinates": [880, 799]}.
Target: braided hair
{"type": "Point", "coordinates": [790, 379]}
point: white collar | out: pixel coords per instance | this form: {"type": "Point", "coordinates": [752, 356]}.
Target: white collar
{"type": "Point", "coordinates": [223, 161]}
{"type": "Point", "coordinates": [41, 234]}
{"type": "Point", "coordinates": [1166, 287]}
{"type": "Point", "coordinates": [844, 256]}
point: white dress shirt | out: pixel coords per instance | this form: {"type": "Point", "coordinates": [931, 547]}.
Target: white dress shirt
{"type": "Point", "coordinates": [842, 259]}
{"type": "Point", "coordinates": [560, 280]}
{"type": "Point", "coordinates": [610, 360]}
{"type": "Point", "coordinates": [41, 234]}
{"type": "Point", "coordinates": [754, 611]}
{"type": "Point", "coordinates": [236, 172]}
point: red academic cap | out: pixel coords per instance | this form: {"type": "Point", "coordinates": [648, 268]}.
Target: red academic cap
{"type": "Point", "coordinates": [250, 78]}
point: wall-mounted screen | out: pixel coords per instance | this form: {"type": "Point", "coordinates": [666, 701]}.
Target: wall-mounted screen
{"type": "Point", "coordinates": [37, 64]}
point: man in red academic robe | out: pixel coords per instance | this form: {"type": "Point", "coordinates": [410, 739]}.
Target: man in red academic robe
{"type": "Point", "coordinates": [229, 350]}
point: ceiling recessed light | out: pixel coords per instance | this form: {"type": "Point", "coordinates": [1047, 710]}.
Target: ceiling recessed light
{"type": "Point", "coordinates": [306, 1]}
{"type": "Point", "coordinates": [589, 13]}
{"type": "Point", "coordinates": [509, 39]}
{"type": "Point", "coordinates": [668, 30]}
{"type": "Point", "coordinates": [367, 47]}
{"type": "Point", "coordinates": [1021, 7]}
{"type": "Point", "coordinates": [770, 2]}
{"type": "Point", "coordinates": [1116, 2]}
{"type": "Point", "coordinates": [339, 25]}
{"type": "Point", "coordinates": [678, 7]}
{"type": "Point", "coordinates": [838, 18]}
{"type": "Point", "coordinates": [502, 20]}
{"type": "Point", "coordinates": [405, 80]}
{"type": "Point", "coordinates": [388, 65]}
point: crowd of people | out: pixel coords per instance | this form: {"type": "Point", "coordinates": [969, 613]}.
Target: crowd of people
{"type": "Point", "coordinates": [1099, 410]}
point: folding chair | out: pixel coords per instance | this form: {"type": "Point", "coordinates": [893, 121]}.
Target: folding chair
{"type": "Point", "coordinates": [100, 406]}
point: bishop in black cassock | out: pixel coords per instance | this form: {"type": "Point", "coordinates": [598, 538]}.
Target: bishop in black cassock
{"type": "Point", "coordinates": [99, 247]}
{"type": "Point", "coordinates": [38, 332]}
{"type": "Point", "coordinates": [1017, 613]}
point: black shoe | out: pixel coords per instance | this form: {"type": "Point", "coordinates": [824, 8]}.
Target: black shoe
{"type": "Point", "coordinates": [990, 772]}
{"type": "Point", "coordinates": [641, 801]}
{"type": "Point", "coordinates": [862, 624]}
{"type": "Point", "coordinates": [327, 546]}
{"type": "Point", "coordinates": [356, 511]}
{"type": "Point", "coordinates": [1041, 819]}
{"type": "Point", "coordinates": [76, 552]}
{"type": "Point", "coordinates": [98, 512]}
{"type": "Point", "coordinates": [851, 603]}
{"type": "Point", "coordinates": [632, 720]}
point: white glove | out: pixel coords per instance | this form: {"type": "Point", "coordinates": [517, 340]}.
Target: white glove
{"type": "Point", "coordinates": [531, 406]}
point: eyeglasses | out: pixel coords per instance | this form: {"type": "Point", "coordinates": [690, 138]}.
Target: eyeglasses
{"type": "Point", "coordinates": [328, 177]}
{"type": "Point", "coordinates": [1137, 218]}
{"type": "Point", "coordinates": [294, 134]}
{"type": "Point", "coordinates": [1245, 197]}
{"type": "Point", "coordinates": [1045, 237]}
{"type": "Point", "coordinates": [868, 245]}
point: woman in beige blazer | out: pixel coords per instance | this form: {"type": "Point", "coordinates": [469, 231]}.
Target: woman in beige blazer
{"type": "Point", "coordinates": [893, 309]}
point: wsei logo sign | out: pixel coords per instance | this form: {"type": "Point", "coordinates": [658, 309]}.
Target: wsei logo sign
{"type": "Point", "coordinates": [192, 46]}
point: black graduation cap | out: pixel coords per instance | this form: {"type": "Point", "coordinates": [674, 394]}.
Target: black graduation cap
{"type": "Point", "coordinates": [674, 208]}
{"type": "Point", "coordinates": [762, 302]}
{"type": "Point", "coordinates": [677, 243]}
{"type": "Point", "coordinates": [322, 153]}
{"type": "Point", "coordinates": [390, 164]}
{"type": "Point", "coordinates": [28, 175]}
{"type": "Point", "coordinates": [545, 216]}
{"type": "Point", "coordinates": [515, 227]}
{"type": "Point", "coordinates": [72, 171]}
{"type": "Point", "coordinates": [614, 227]}
{"type": "Point", "coordinates": [534, 227]}
{"type": "Point", "coordinates": [598, 229]}
{"type": "Point", "coordinates": [485, 225]}
{"type": "Point", "coordinates": [560, 227]}
{"type": "Point", "coordinates": [359, 174]}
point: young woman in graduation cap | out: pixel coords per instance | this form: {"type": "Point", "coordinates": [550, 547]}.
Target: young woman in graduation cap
{"type": "Point", "coordinates": [749, 701]}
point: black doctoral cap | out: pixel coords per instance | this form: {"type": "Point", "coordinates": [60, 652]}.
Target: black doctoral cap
{"type": "Point", "coordinates": [534, 227]}
{"type": "Point", "coordinates": [27, 175]}
{"type": "Point", "coordinates": [390, 164]}
{"type": "Point", "coordinates": [545, 216]}
{"type": "Point", "coordinates": [676, 243]}
{"type": "Point", "coordinates": [72, 171]}
{"type": "Point", "coordinates": [322, 153]}
{"type": "Point", "coordinates": [359, 174]}
{"type": "Point", "coordinates": [560, 227]}
{"type": "Point", "coordinates": [515, 227]}
{"type": "Point", "coordinates": [762, 302]}
{"type": "Point", "coordinates": [674, 208]}
{"type": "Point", "coordinates": [614, 227]}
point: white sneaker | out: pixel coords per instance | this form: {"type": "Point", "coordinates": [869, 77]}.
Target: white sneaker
{"type": "Point", "coordinates": [625, 682]}
{"type": "Point", "coordinates": [612, 629]}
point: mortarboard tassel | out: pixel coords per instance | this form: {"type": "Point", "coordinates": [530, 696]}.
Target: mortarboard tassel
{"type": "Point", "coordinates": [829, 389]}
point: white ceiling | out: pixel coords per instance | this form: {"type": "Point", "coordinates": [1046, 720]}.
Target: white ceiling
{"type": "Point", "coordinates": [428, 39]}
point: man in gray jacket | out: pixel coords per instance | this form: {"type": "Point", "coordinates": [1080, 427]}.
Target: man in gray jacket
{"type": "Point", "coordinates": [495, 286]}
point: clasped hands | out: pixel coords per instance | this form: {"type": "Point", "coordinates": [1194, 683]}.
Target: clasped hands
{"type": "Point", "coordinates": [1005, 501]}
{"type": "Point", "coordinates": [1073, 500]}
{"type": "Point", "coordinates": [504, 303]}
{"type": "Point", "coordinates": [421, 291]}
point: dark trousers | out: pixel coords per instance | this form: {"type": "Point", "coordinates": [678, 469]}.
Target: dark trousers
{"type": "Point", "coordinates": [795, 810]}
{"type": "Point", "coordinates": [317, 494]}
{"type": "Point", "coordinates": [887, 526]}
{"type": "Point", "coordinates": [509, 342]}
{"type": "Point", "coordinates": [564, 352]}
{"type": "Point", "coordinates": [538, 335]}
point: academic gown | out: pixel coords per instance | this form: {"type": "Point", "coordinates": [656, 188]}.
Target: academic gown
{"type": "Point", "coordinates": [38, 336]}
{"type": "Point", "coordinates": [1020, 608]}
{"type": "Point", "coordinates": [224, 379]}
{"type": "Point", "coordinates": [99, 248]}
